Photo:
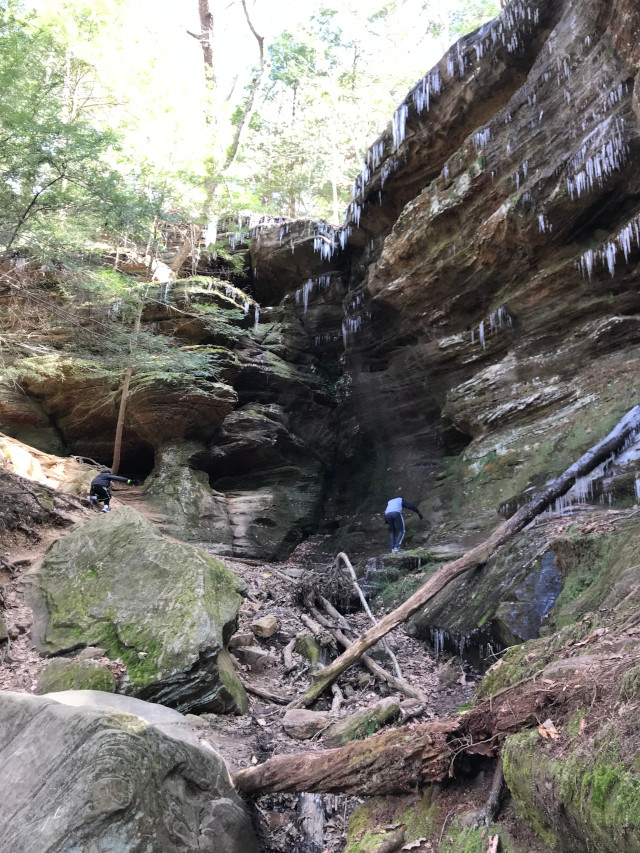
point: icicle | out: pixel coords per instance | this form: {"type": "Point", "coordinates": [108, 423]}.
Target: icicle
{"type": "Point", "coordinates": [398, 124]}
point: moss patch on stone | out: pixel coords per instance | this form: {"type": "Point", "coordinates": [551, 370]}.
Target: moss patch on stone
{"type": "Point", "coordinates": [366, 832]}
{"type": "Point", "coordinates": [590, 794]}
{"type": "Point", "coordinates": [62, 675]}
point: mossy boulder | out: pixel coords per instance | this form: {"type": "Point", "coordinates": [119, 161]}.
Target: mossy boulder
{"type": "Point", "coordinates": [62, 675]}
{"type": "Point", "coordinates": [165, 609]}
{"type": "Point", "coordinates": [583, 797]}
{"type": "Point", "coordinates": [191, 509]}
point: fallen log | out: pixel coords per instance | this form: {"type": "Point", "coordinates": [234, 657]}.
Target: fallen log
{"type": "Point", "coordinates": [396, 761]}
{"type": "Point", "coordinates": [411, 756]}
{"type": "Point", "coordinates": [476, 557]}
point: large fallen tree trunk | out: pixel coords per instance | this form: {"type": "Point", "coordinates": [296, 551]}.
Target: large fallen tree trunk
{"type": "Point", "coordinates": [476, 557]}
{"type": "Point", "coordinates": [411, 756]}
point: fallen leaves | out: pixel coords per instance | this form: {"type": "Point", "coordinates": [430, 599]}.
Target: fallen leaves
{"type": "Point", "coordinates": [548, 731]}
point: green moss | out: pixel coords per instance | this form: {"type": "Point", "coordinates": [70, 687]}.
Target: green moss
{"type": "Point", "coordinates": [630, 686]}
{"type": "Point", "coordinates": [461, 839]}
{"type": "Point", "coordinates": [595, 786]}
{"type": "Point", "coordinates": [483, 621]}
{"type": "Point", "coordinates": [573, 726]}
{"type": "Point", "coordinates": [418, 816]}
{"type": "Point", "coordinates": [62, 675]}
{"type": "Point", "coordinates": [309, 649]}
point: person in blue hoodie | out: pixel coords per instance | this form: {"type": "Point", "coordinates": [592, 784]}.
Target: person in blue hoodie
{"type": "Point", "coordinates": [99, 492]}
{"type": "Point", "coordinates": [393, 517]}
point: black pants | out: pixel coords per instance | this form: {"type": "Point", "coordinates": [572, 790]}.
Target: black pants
{"type": "Point", "coordinates": [103, 494]}
{"type": "Point", "coordinates": [396, 528]}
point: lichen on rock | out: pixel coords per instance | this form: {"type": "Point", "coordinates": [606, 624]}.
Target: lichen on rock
{"type": "Point", "coordinates": [165, 609]}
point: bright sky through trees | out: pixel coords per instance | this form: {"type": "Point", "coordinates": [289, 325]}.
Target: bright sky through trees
{"type": "Point", "coordinates": [333, 72]}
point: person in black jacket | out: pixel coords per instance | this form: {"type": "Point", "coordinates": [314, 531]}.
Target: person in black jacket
{"type": "Point", "coordinates": [393, 517]}
{"type": "Point", "coordinates": [99, 492]}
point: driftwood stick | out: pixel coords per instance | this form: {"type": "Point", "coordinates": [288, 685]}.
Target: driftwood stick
{"type": "Point", "coordinates": [365, 605]}
{"type": "Point", "coordinates": [333, 613]}
{"type": "Point", "coordinates": [287, 654]}
{"type": "Point", "coordinates": [476, 557]}
{"type": "Point", "coordinates": [397, 684]}
{"type": "Point", "coordinates": [487, 815]}
{"type": "Point", "coordinates": [263, 693]}
{"type": "Point", "coordinates": [320, 619]}
{"type": "Point", "coordinates": [338, 698]}
{"type": "Point", "coordinates": [321, 635]}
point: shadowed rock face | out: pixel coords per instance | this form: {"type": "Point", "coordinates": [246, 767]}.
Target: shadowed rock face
{"type": "Point", "coordinates": [489, 321]}
{"type": "Point", "coordinates": [485, 330]}
{"type": "Point", "coordinates": [90, 771]}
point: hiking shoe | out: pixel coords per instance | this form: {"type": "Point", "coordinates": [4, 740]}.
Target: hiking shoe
{"type": "Point", "coordinates": [106, 509]}
{"type": "Point", "coordinates": [93, 500]}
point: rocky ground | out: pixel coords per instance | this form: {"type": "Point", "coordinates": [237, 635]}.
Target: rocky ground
{"type": "Point", "coordinates": [273, 590]}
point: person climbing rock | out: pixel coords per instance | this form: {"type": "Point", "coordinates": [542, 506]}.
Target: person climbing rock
{"type": "Point", "coordinates": [99, 491]}
{"type": "Point", "coordinates": [393, 517]}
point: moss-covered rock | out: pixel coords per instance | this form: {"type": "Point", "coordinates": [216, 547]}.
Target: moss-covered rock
{"type": "Point", "coordinates": [191, 509]}
{"type": "Point", "coordinates": [309, 649]}
{"type": "Point", "coordinates": [362, 723]}
{"type": "Point", "coordinates": [374, 822]}
{"type": "Point", "coordinates": [76, 675]}
{"type": "Point", "coordinates": [165, 609]}
{"type": "Point", "coordinates": [585, 798]}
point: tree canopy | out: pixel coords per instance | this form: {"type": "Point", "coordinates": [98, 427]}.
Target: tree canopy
{"type": "Point", "coordinates": [109, 124]}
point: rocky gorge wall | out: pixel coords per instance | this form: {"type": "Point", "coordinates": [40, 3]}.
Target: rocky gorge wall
{"type": "Point", "coordinates": [468, 333]}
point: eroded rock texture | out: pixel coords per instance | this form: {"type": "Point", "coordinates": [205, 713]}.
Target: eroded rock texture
{"type": "Point", "coordinates": [91, 771]}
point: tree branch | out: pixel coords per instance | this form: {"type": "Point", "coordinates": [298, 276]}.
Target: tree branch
{"type": "Point", "coordinates": [476, 557]}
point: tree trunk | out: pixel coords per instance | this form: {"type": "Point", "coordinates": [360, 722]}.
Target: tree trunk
{"type": "Point", "coordinates": [256, 83]}
{"type": "Point", "coordinates": [476, 557]}
{"type": "Point", "coordinates": [397, 761]}
{"type": "Point", "coordinates": [411, 756]}
{"type": "Point", "coordinates": [187, 247]}
{"type": "Point", "coordinates": [117, 442]}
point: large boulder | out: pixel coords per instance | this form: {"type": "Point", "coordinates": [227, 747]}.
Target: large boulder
{"type": "Point", "coordinates": [97, 772]}
{"type": "Point", "coordinates": [165, 609]}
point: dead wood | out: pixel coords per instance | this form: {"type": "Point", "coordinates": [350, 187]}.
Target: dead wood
{"type": "Point", "coordinates": [318, 632]}
{"type": "Point", "coordinates": [338, 698]}
{"type": "Point", "coordinates": [396, 761]}
{"type": "Point", "coordinates": [490, 811]}
{"type": "Point", "coordinates": [476, 557]}
{"type": "Point", "coordinates": [365, 606]}
{"type": "Point", "coordinates": [409, 757]}
{"type": "Point", "coordinates": [494, 841]}
{"type": "Point", "coordinates": [287, 654]}
{"type": "Point", "coordinates": [374, 668]}
{"type": "Point", "coordinates": [333, 613]}
{"type": "Point", "coordinates": [312, 819]}
{"type": "Point", "coordinates": [263, 693]}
